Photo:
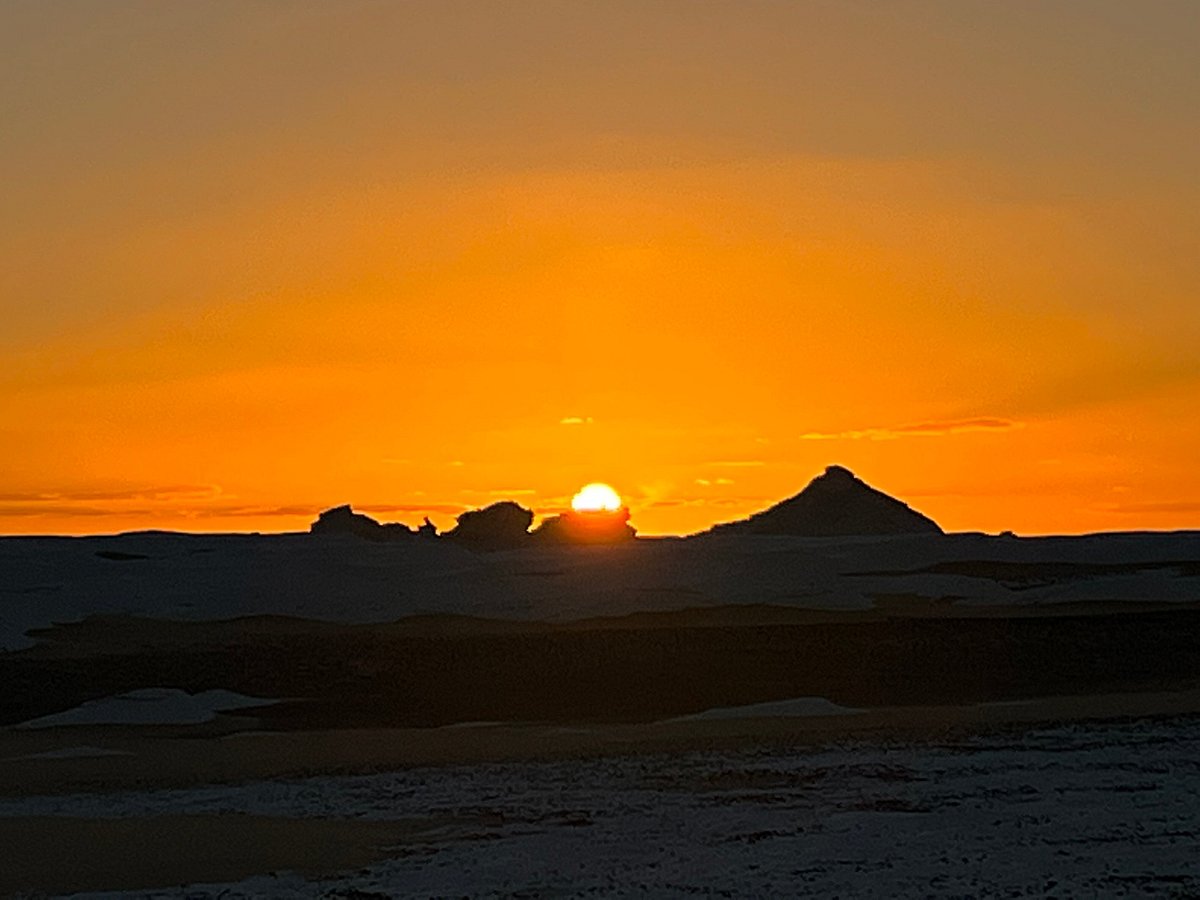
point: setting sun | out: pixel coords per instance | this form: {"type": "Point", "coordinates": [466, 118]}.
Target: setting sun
{"type": "Point", "coordinates": [321, 320]}
{"type": "Point", "coordinates": [596, 497]}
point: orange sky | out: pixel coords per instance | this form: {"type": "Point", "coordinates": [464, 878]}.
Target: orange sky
{"type": "Point", "coordinates": [261, 259]}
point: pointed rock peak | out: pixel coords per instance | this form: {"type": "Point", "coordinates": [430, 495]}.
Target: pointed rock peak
{"type": "Point", "coordinates": [837, 473]}
{"type": "Point", "coordinates": [836, 502]}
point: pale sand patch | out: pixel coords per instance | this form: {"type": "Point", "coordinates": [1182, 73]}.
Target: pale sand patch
{"type": "Point", "coordinates": [797, 706]}
{"type": "Point", "coordinates": [182, 760]}
{"type": "Point", "coordinates": [150, 706]}
{"type": "Point", "coordinates": [72, 753]}
{"type": "Point", "coordinates": [59, 855]}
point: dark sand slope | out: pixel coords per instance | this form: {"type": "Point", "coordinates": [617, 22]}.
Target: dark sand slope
{"type": "Point", "coordinates": [61, 855]}
{"type": "Point", "coordinates": [449, 690]}
{"type": "Point", "coordinates": [434, 671]}
{"type": "Point", "coordinates": [176, 758]}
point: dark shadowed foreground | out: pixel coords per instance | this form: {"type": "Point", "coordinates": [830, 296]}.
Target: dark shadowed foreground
{"type": "Point", "coordinates": [1090, 809]}
{"type": "Point", "coordinates": [332, 716]}
{"type": "Point", "coordinates": [433, 671]}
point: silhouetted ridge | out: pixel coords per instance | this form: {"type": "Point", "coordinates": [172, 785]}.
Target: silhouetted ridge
{"type": "Point", "coordinates": [501, 526]}
{"type": "Point", "coordinates": [835, 503]}
{"type": "Point", "coordinates": [344, 520]}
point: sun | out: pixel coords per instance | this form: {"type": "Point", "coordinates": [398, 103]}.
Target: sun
{"type": "Point", "coordinates": [596, 497]}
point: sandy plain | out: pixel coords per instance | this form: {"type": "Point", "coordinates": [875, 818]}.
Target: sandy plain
{"type": "Point", "coordinates": [885, 643]}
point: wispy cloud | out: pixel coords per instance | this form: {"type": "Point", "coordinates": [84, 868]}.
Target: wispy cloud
{"type": "Point", "coordinates": [680, 502]}
{"type": "Point", "coordinates": [210, 511]}
{"type": "Point", "coordinates": [741, 502]}
{"type": "Point", "coordinates": [247, 511]}
{"type": "Point", "coordinates": [169, 492]}
{"type": "Point", "coordinates": [576, 420]}
{"type": "Point", "coordinates": [182, 501]}
{"type": "Point", "coordinates": [951, 426]}
{"type": "Point", "coordinates": [676, 502]}
{"type": "Point", "coordinates": [917, 429]}
{"type": "Point", "coordinates": [25, 510]}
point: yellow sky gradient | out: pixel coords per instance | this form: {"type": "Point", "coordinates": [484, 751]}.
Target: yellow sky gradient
{"type": "Point", "coordinates": [265, 259]}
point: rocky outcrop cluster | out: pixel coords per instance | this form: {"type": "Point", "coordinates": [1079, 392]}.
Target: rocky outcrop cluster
{"type": "Point", "coordinates": [344, 520]}
{"type": "Point", "coordinates": [501, 526]}
{"type": "Point", "coordinates": [835, 503]}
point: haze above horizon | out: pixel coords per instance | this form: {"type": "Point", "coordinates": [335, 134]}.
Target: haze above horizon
{"type": "Point", "coordinates": [259, 260]}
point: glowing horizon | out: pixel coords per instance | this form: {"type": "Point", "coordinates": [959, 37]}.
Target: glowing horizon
{"type": "Point", "coordinates": [415, 257]}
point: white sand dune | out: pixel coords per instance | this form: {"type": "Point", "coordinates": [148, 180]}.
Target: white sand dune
{"type": "Point", "coordinates": [796, 707]}
{"type": "Point", "coordinates": [346, 579]}
{"type": "Point", "coordinates": [150, 706]}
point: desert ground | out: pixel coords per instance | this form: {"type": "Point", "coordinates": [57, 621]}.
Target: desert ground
{"type": "Point", "coordinates": [304, 715]}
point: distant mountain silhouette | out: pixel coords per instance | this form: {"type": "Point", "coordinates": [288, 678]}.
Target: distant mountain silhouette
{"type": "Point", "coordinates": [835, 503]}
{"type": "Point", "coordinates": [344, 520]}
{"type": "Point", "coordinates": [501, 526]}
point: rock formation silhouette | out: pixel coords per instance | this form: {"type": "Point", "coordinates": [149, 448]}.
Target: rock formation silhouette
{"type": "Point", "coordinates": [586, 527]}
{"type": "Point", "coordinates": [501, 526]}
{"type": "Point", "coordinates": [344, 520]}
{"type": "Point", "coordinates": [835, 503]}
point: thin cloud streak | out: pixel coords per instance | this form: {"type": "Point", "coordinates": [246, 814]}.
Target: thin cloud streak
{"type": "Point", "coordinates": [171, 492]}
{"type": "Point", "coordinates": [30, 510]}
{"type": "Point", "coordinates": [918, 429]}
{"type": "Point", "coordinates": [675, 502]}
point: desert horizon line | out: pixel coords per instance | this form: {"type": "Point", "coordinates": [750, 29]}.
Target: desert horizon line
{"type": "Point", "coordinates": [449, 513]}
